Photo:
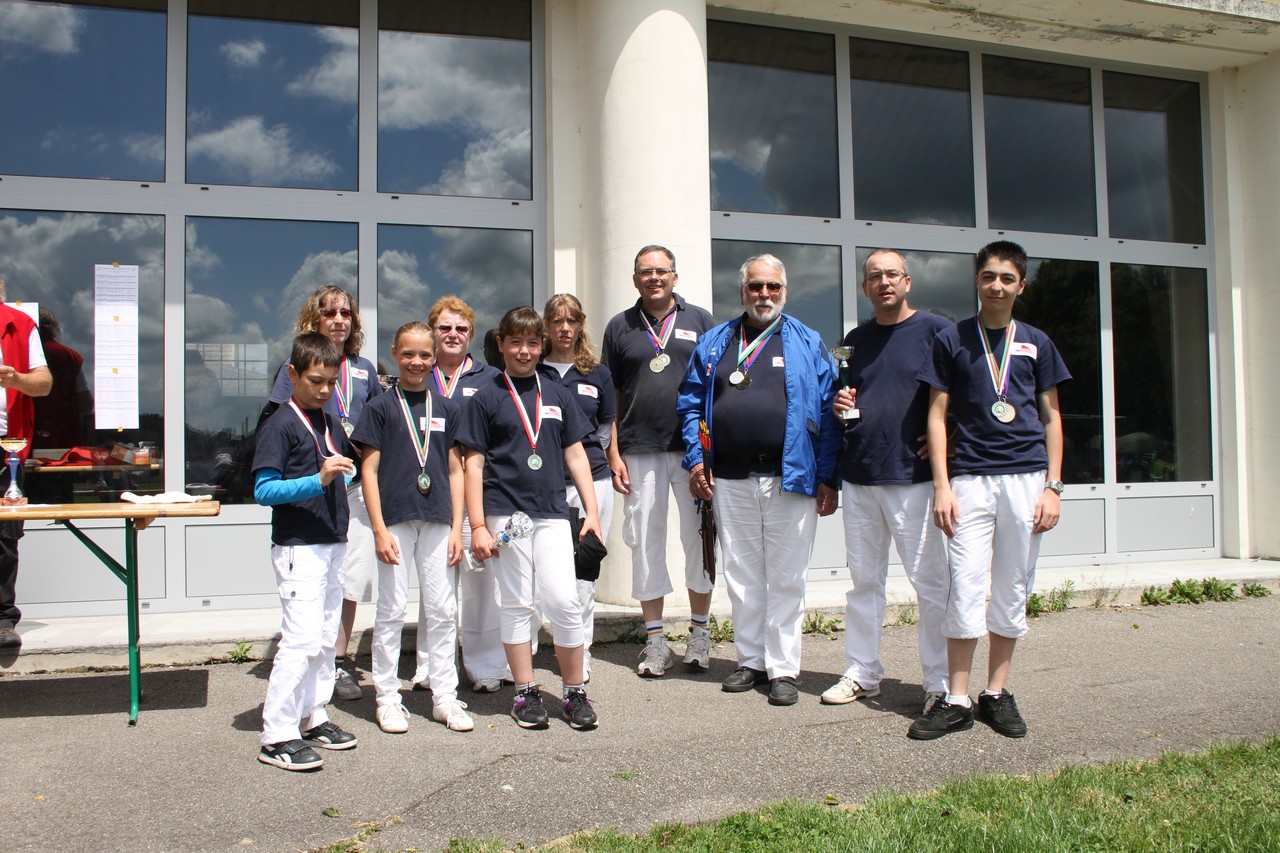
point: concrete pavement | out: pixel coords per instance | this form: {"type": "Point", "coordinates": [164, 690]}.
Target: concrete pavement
{"type": "Point", "coordinates": [1093, 683]}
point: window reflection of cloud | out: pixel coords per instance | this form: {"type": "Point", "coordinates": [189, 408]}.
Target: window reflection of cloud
{"type": "Point", "coordinates": [336, 77]}
{"type": "Point", "coordinates": [243, 54]}
{"type": "Point", "coordinates": [41, 27]}
{"type": "Point", "coordinates": [498, 165]}
{"type": "Point", "coordinates": [247, 149]}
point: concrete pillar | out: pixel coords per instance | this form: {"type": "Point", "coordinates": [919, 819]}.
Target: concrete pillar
{"type": "Point", "coordinates": [640, 159]}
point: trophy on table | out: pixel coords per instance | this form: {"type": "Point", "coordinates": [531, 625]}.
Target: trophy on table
{"type": "Point", "coordinates": [13, 495]}
{"type": "Point", "coordinates": [517, 527]}
{"type": "Point", "coordinates": [841, 355]}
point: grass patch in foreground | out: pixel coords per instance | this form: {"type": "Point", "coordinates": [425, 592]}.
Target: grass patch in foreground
{"type": "Point", "coordinates": [1225, 799]}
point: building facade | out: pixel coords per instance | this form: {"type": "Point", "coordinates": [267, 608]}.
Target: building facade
{"type": "Point", "coordinates": [242, 153]}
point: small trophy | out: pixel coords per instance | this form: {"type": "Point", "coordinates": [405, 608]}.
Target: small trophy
{"type": "Point", "coordinates": [13, 495]}
{"type": "Point", "coordinates": [518, 527]}
{"type": "Point", "coordinates": [842, 361]}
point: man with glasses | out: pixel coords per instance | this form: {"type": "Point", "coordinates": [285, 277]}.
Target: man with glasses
{"type": "Point", "coordinates": [764, 471]}
{"type": "Point", "coordinates": [646, 348]}
{"type": "Point", "coordinates": [888, 488]}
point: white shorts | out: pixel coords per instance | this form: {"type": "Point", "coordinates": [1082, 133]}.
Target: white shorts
{"type": "Point", "coordinates": [993, 549]}
{"type": "Point", "coordinates": [655, 476]}
{"type": "Point", "coordinates": [545, 556]}
{"type": "Point", "coordinates": [362, 557]}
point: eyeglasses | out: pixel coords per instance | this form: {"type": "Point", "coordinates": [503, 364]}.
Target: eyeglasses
{"type": "Point", "coordinates": [771, 286]}
{"type": "Point", "coordinates": [334, 312]}
{"type": "Point", "coordinates": [888, 275]}
{"type": "Point", "coordinates": [444, 330]}
{"type": "Point", "coordinates": [660, 272]}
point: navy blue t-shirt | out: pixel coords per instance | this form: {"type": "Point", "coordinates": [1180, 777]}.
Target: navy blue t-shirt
{"type": "Point", "coordinates": [749, 422]}
{"type": "Point", "coordinates": [475, 375]}
{"type": "Point", "coordinates": [647, 421]}
{"type": "Point", "coordinates": [492, 425]}
{"type": "Point", "coordinates": [382, 427]}
{"type": "Point", "coordinates": [880, 446]}
{"type": "Point", "coordinates": [285, 445]}
{"type": "Point", "coordinates": [595, 396]}
{"type": "Point", "coordinates": [958, 365]}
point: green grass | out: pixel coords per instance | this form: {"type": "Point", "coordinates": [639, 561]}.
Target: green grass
{"type": "Point", "coordinates": [1057, 601]}
{"type": "Point", "coordinates": [1225, 799]}
{"type": "Point", "coordinates": [1196, 591]}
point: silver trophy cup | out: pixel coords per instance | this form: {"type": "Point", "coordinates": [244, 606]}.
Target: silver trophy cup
{"type": "Point", "coordinates": [841, 355]}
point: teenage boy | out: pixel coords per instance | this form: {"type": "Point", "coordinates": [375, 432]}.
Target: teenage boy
{"type": "Point", "coordinates": [300, 470]}
{"type": "Point", "coordinates": [999, 380]}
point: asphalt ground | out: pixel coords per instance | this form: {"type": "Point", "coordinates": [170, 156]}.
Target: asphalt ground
{"type": "Point", "coordinates": [1093, 684]}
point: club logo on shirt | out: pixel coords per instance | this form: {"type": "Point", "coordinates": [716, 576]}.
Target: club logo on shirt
{"type": "Point", "coordinates": [1023, 348]}
{"type": "Point", "coordinates": [552, 412]}
{"type": "Point", "coordinates": [359, 373]}
{"type": "Point", "coordinates": [467, 392]}
{"type": "Point", "coordinates": [687, 335]}
{"type": "Point", "coordinates": [588, 390]}
{"type": "Point", "coordinates": [777, 361]}
{"type": "Point", "coordinates": [437, 424]}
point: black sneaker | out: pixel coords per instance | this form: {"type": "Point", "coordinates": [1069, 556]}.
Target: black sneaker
{"type": "Point", "coordinates": [328, 736]}
{"type": "Point", "coordinates": [578, 711]}
{"type": "Point", "coordinates": [783, 691]}
{"type": "Point", "coordinates": [943, 719]}
{"type": "Point", "coordinates": [528, 710]}
{"type": "Point", "coordinates": [290, 755]}
{"type": "Point", "coordinates": [742, 679]}
{"type": "Point", "coordinates": [1001, 713]}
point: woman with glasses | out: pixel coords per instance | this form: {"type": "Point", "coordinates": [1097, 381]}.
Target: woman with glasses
{"type": "Point", "coordinates": [570, 359]}
{"type": "Point", "coordinates": [331, 311]}
{"type": "Point", "coordinates": [457, 375]}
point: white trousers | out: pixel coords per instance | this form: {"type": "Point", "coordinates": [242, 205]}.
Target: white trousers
{"type": "Point", "coordinates": [545, 557]}
{"type": "Point", "coordinates": [424, 550]}
{"type": "Point", "coordinates": [654, 477]}
{"type": "Point", "coordinates": [874, 516]}
{"type": "Point", "coordinates": [309, 578]}
{"type": "Point", "coordinates": [362, 556]}
{"type": "Point", "coordinates": [587, 589]}
{"type": "Point", "coordinates": [480, 617]}
{"type": "Point", "coordinates": [766, 536]}
{"type": "Point", "coordinates": [993, 549]}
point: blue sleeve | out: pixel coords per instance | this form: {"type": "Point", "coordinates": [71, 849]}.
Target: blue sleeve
{"type": "Point", "coordinates": [695, 390]}
{"type": "Point", "coordinates": [270, 488]}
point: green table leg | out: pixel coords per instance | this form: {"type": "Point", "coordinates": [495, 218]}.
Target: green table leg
{"type": "Point", "coordinates": [127, 573]}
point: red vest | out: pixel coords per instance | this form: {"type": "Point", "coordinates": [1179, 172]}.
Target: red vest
{"type": "Point", "coordinates": [15, 339]}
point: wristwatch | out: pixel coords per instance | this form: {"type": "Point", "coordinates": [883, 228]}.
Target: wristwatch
{"type": "Point", "coordinates": [1056, 485]}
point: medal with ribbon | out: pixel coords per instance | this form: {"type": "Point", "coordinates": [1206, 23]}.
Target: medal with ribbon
{"type": "Point", "coordinates": [749, 352]}
{"type": "Point", "coordinates": [328, 439]}
{"type": "Point", "coordinates": [421, 438]}
{"type": "Point", "coordinates": [343, 396]}
{"type": "Point", "coordinates": [447, 386]}
{"type": "Point", "coordinates": [660, 339]}
{"type": "Point", "coordinates": [531, 430]}
{"type": "Point", "coordinates": [1001, 409]}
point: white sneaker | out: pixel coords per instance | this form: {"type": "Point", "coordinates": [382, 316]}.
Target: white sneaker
{"type": "Point", "coordinates": [422, 680]}
{"type": "Point", "coordinates": [344, 686]}
{"type": "Point", "coordinates": [487, 685]}
{"type": "Point", "coordinates": [393, 718]}
{"type": "Point", "coordinates": [655, 658]}
{"type": "Point", "coordinates": [697, 651]}
{"type": "Point", "coordinates": [452, 713]}
{"type": "Point", "coordinates": [847, 690]}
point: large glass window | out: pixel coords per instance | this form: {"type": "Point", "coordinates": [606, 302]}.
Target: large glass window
{"type": "Point", "coordinates": [773, 120]}
{"type": "Point", "coordinates": [271, 94]}
{"type": "Point", "coordinates": [246, 280]}
{"type": "Point", "coordinates": [1061, 300]}
{"type": "Point", "coordinates": [83, 91]}
{"type": "Point", "coordinates": [455, 113]}
{"type": "Point", "coordinates": [489, 269]}
{"type": "Point", "coordinates": [1039, 146]}
{"type": "Point", "coordinates": [49, 259]}
{"type": "Point", "coordinates": [912, 133]}
{"type": "Point", "coordinates": [813, 282]}
{"type": "Point", "coordinates": [1161, 332]}
{"type": "Point", "coordinates": [1155, 166]}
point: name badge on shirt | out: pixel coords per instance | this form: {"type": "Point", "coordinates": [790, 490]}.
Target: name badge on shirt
{"type": "Point", "coordinates": [687, 335]}
{"type": "Point", "coordinates": [588, 390]}
{"type": "Point", "coordinates": [359, 373]}
{"type": "Point", "coordinates": [467, 392]}
{"type": "Point", "coordinates": [437, 424]}
{"type": "Point", "coordinates": [777, 361]}
{"type": "Point", "coordinates": [552, 412]}
{"type": "Point", "coordinates": [1022, 348]}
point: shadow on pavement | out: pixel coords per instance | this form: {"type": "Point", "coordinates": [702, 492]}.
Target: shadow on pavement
{"type": "Point", "coordinates": [87, 694]}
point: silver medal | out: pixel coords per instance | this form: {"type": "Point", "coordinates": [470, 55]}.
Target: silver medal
{"type": "Point", "coordinates": [348, 427]}
{"type": "Point", "coordinates": [535, 462]}
{"type": "Point", "coordinates": [424, 483]}
{"type": "Point", "coordinates": [659, 363]}
{"type": "Point", "coordinates": [1002, 411]}
{"type": "Point", "coordinates": [736, 377]}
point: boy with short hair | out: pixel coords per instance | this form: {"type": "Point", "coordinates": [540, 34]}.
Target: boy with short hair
{"type": "Point", "coordinates": [299, 469]}
{"type": "Point", "coordinates": [999, 379]}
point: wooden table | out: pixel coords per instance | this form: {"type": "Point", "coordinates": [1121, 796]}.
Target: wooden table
{"type": "Point", "coordinates": [136, 517]}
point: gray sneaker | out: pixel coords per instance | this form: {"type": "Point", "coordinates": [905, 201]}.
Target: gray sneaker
{"type": "Point", "coordinates": [345, 687]}
{"type": "Point", "coordinates": [697, 651]}
{"type": "Point", "coordinates": [655, 658]}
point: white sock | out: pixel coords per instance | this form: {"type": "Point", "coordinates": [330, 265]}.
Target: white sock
{"type": "Point", "coordinates": [962, 701]}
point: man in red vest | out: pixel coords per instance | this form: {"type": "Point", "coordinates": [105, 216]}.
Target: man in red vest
{"type": "Point", "coordinates": [23, 375]}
